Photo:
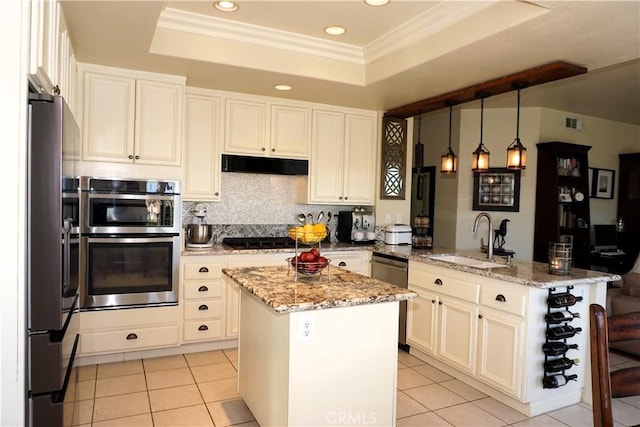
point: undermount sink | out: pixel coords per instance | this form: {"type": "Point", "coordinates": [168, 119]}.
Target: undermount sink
{"type": "Point", "coordinates": [469, 262]}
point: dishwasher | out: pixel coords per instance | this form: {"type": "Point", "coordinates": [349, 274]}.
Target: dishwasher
{"type": "Point", "coordinates": [394, 270]}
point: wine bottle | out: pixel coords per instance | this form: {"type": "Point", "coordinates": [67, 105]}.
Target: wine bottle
{"type": "Point", "coordinates": [560, 316]}
{"type": "Point", "coordinates": [562, 332]}
{"type": "Point", "coordinates": [557, 348]}
{"type": "Point", "coordinates": [555, 381]}
{"type": "Point", "coordinates": [557, 365]}
{"type": "Point", "coordinates": [564, 299]}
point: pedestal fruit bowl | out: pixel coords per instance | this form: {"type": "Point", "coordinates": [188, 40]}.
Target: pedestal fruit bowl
{"type": "Point", "coordinates": [309, 234]}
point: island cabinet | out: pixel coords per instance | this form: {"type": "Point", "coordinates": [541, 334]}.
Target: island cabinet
{"type": "Point", "coordinates": [259, 126]}
{"type": "Point", "coordinates": [203, 133]}
{"type": "Point", "coordinates": [343, 157]}
{"type": "Point", "coordinates": [131, 117]}
{"type": "Point", "coordinates": [317, 352]}
{"type": "Point", "coordinates": [489, 334]}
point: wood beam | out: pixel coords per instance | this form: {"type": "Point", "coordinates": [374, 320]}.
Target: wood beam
{"type": "Point", "coordinates": [531, 77]}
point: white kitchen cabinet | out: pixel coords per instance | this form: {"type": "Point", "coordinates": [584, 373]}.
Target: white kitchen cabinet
{"type": "Point", "coordinates": [342, 161]}
{"type": "Point", "coordinates": [232, 318]}
{"type": "Point", "coordinates": [117, 331]}
{"type": "Point", "coordinates": [356, 261]}
{"type": "Point", "coordinates": [201, 177]}
{"type": "Point", "coordinates": [132, 119]}
{"type": "Point", "coordinates": [262, 128]}
{"type": "Point", "coordinates": [457, 333]}
{"type": "Point", "coordinates": [43, 49]}
{"type": "Point", "coordinates": [422, 318]}
{"type": "Point", "coordinates": [203, 298]}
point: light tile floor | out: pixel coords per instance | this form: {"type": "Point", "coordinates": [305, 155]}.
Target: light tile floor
{"type": "Point", "coordinates": [199, 389]}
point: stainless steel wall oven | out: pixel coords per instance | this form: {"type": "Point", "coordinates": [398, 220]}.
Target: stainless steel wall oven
{"type": "Point", "coordinates": [130, 243]}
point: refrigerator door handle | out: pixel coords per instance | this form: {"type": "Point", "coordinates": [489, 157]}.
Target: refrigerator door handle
{"type": "Point", "coordinates": [66, 229]}
{"type": "Point", "coordinates": [58, 395]}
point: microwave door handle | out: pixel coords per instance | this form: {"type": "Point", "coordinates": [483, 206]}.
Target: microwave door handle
{"type": "Point", "coordinates": [66, 228]}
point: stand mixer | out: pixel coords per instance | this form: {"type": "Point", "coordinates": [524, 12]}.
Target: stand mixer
{"type": "Point", "coordinates": [199, 236]}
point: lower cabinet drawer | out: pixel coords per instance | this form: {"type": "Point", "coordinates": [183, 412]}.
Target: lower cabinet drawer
{"type": "Point", "coordinates": [205, 309]}
{"type": "Point", "coordinates": [508, 300]}
{"type": "Point", "coordinates": [204, 330]}
{"type": "Point", "coordinates": [129, 339]}
{"type": "Point", "coordinates": [203, 289]}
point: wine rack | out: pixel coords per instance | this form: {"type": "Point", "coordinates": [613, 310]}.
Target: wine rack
{"type": "Point", "coordinates": [558, 330]}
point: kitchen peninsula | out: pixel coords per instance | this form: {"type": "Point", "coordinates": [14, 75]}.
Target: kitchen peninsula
{"type": "Point", "coordinates": [317, 351]}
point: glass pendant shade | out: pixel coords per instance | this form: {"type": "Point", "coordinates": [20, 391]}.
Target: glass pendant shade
{"type": "Point", "coordinates": [480, 159]}
{"type": "Point", "coordinates": [449, 160]}
{"type": "Point", "coordinates": [516, 152]}
{"type": "Point", "coordinates": [516, 155]}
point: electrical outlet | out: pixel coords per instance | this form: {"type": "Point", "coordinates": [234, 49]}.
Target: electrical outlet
{"type": "Point", "coordinates": [306, 329]}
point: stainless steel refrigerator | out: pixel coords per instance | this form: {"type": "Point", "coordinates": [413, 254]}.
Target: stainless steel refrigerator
{"type": "Point", "coordinates": [53, 268]}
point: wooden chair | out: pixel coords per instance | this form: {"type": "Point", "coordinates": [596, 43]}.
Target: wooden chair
{"type": "Point", "coordinates": [607, 385]}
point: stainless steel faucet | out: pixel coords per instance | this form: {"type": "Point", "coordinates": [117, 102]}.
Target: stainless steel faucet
{"type": "Point", "coordinates": [489, 232]}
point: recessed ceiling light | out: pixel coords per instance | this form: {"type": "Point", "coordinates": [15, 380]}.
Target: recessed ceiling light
{"type": "Point", "coordinates": [376, 2]}
{"type": "Point", "coordinates": [282, 87]}
{"type": "Point", "coordinates": [335, 30]}
{"type": "Point", "coordinates": [226, 6]}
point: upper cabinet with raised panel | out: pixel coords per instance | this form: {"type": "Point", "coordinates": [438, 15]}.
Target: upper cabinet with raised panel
{"type": "Point", "coordinates": [131, 117]}
{"type": "Point", "coordinates": [342, 162]}
{"type": "Point", "coordinates": [259, 127]}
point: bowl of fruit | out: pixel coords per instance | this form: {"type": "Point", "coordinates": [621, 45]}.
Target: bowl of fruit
{"type": "Point", "coordinates": [309, 234]}
{"type": "Point", "coordinates": [309, 263]}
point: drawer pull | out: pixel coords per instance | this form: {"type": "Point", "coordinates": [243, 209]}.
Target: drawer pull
{"type": "Point", "coordinates": [438, 282]}
{"type": "Point", "coordinates": [203, 307]}
{"type": "Point", "coordinates": [203, 270]}
{"type": "Point", "coordinates": [203, 289]}
{"type": "Point", "coordinates": [203, 328]}
{"type": "Point", "coordinates": [501, 298]}
{"type": "Point", "coordinates": [342, 264]}
{"type": "Point", "coordinates": [132, 337]}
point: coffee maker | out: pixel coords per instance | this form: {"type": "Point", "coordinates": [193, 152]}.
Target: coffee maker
{"type": "Point", "coordinates": [356, 226]}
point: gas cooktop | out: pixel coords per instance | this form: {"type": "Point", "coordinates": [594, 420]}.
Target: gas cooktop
{"type": "Point", "coordinates": [258, 242]}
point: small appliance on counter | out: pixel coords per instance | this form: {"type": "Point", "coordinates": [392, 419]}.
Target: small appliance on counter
{"type": "Point", "coordinates": [199, 236]}
{"type": "Point", "coordinates": [397, 234]}
{"type": "Point", "coordinates": [356, 226]}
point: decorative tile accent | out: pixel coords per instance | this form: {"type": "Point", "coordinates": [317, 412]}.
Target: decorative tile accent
{"type": "Point", "coordinates": [256, 205]}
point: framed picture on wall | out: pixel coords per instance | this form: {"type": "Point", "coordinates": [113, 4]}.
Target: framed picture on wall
{"type": "Point", "coordinates": [602, 183]}
{"type": "Point", "coordinates": [498, 189]}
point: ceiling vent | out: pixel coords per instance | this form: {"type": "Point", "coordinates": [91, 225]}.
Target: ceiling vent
{"type": "Point", "coordinates": [573, 123]}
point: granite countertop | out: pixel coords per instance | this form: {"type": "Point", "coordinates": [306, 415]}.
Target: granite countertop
{"type": "Point", "coordinates": [528, 273]}
{"type": "Point", "coordinates": [220, 249]}
{"type": "Point", "coordinates": [276, 287]}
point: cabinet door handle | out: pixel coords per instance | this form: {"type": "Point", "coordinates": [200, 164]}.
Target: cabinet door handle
{"type": "Point", "coordinates": [273, 150]}
{"type": "Point", "coordinates": [216, 194]}
{"type": "Point", "coordinates": [501, 298]}
{"type": "Point", "coordinates": [439, 302]}
{"type": "Point", "coordinates": [130, 157]}
{"type": "Point", "coordinates": [137, 157]}
{"type": "Point", "coordinates": [342, 264]}
{"type": "Point", "coordinates": [203, 270]}
{"type": "Point", "coordinates": [479, 316]}
{"type": "Point", "coordinates": [203, 328]}
{"type": "Point", "coordinates": [438, 282]}
{"type": "Point", "coordinates": [346, 198]}
{"type": "Point", "coordinates": [132, 337]}
{"type": "Point", "coordinates": [263, 149]}
{"type": "Point", "coordinates": [433, 301]}
{"type": "Point", "coordinates": [340, 198]}
{"type": "Point", "coordinates": [203, 307]}
{"type": "Point", "coordinates": [203, 288]}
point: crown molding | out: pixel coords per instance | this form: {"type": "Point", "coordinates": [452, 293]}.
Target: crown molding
{"type": "Point", "coordinates": [224, 29]}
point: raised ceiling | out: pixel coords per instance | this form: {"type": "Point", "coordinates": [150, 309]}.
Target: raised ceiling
{"type": "Point", "coordinates": [390, 56]}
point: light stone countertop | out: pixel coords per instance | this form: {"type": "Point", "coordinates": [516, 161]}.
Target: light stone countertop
{"type": "Point", "coordinates": [220, 249]}
{"type": "Point", "coordinates": [527, 273]}
{"type": "Point", "coordinates": [276, 287]}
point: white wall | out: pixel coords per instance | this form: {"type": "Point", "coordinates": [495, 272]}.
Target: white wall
{"type": "Point", "coordinates": [13, 26]}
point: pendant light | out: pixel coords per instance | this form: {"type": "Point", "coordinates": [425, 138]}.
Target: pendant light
{"type": "Point", "coordinates": [449, 160]}
{"type": "Point", "coordinates": [480, 159]}
{"type": "Point", "coordinates": [516, 152]}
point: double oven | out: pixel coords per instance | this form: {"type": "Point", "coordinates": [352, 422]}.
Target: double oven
{"type": "Point", "coordinates": [129, 242]}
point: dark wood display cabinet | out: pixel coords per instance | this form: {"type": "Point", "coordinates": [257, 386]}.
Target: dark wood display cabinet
{"type": "Point", "coordinates": [562, 201]}
{"type": "Point", "coordinates": [629, 207]}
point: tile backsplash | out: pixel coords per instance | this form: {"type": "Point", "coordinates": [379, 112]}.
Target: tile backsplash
{"type": "Point", "coordinates": [256, 205]}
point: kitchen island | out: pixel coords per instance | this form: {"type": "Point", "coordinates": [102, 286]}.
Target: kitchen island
{"type": "Point", "coordinates": [317, 351]}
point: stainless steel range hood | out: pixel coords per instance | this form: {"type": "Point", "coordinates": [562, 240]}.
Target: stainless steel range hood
{"type": "Point", "coordinates": [266, 165]}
